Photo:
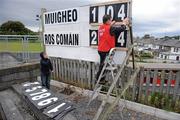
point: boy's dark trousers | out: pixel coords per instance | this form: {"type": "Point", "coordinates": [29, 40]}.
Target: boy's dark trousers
{"type": "Point", "coordinates": [45, 79]}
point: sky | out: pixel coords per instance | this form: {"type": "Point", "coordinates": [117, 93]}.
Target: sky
{"type": "Point", "coordinates": [154, 17]}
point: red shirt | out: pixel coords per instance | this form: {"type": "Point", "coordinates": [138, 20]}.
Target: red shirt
{"type": "Point", "coordinates": [106, 41]}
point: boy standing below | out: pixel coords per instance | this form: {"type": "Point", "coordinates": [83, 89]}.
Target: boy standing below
{"type": "Point", "coordinates": [46, 69]}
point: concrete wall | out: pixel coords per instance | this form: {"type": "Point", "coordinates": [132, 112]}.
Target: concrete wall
{"type": "Point", "coordinates": [18, 74]}
{"type": "Point", "coordinates": [11, 59]}
{"type": "Point", "coordinates": [23, 56]}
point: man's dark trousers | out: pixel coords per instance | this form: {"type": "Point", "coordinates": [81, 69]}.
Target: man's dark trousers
{"type": "Point", "coordinates": [102, 59]}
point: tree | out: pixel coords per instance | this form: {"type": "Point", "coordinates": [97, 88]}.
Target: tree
{"type": "Point", "coordinates": [15, 28]}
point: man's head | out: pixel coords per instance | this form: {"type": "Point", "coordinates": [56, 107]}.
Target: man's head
{"type": "Point", "coordinates": [107, 19]}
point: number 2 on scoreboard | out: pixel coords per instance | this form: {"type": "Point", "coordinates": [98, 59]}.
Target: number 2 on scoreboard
{"type": "Point", "coordinates": [93, 35]}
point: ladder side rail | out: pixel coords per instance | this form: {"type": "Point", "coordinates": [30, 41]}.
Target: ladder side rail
{"type": "Point", "coordinates": [115, 102]}
{"type": "Point", "coordinates": [112, 85]}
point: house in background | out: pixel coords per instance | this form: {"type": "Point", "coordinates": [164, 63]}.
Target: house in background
{"type": "Point", "coordinates": [146, 44]}
{"type": "Point", "coordinates": [165, 49]}
{"type": "Point", "coordinates": [169, 49]}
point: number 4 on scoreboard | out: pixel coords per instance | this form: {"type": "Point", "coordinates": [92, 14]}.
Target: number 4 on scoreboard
{"type": "Point", "coordinates": [121, 39]}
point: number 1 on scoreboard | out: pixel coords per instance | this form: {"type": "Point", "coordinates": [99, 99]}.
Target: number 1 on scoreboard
{"type": "Point", "coordinates": [94, 14]}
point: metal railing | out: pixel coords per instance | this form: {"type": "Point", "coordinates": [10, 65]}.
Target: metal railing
{"type": "Point", "coordinates": [16, 49]}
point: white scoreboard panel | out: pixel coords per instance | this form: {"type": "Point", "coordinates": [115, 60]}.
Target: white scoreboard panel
{"type": "Point", "coordinates": [71, 33]}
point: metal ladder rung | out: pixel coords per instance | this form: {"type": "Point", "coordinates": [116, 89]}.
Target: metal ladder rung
{"type": "Point", "coordinates": [112, 94]}
{"type": "Point", "coordinates": [105, 92]}
{"type": "Point", "coordinates": [101, 86]}
{"type": "Point", "coordinates": [111, 68]}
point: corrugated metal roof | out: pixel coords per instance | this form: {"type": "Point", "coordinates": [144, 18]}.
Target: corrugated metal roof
{"type": "Point", "coordinates": [163, 42]}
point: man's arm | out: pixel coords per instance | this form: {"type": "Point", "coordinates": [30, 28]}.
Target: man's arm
{"type": "Point", "coordinates": [115, 29]}
{"type": "Point", "coordinates": [118, 27]}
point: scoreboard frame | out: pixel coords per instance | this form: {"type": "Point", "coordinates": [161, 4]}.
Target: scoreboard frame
{"type": "Point", "coordinates": [78, 38]}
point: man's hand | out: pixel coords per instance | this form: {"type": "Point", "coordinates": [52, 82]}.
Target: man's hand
{"type": "Point", "coordinates": [112, 23]}
{"type": "Point", "coordinates": [126, 21]}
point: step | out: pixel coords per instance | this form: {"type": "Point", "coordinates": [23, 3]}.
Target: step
{"type": "Point", "coordinates": [111, 68]}
{"type": "Point", "coordinates": [9, 110]}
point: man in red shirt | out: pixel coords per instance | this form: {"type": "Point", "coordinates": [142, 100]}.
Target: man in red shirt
{"type": "Point", "coordinates": [106, 35]}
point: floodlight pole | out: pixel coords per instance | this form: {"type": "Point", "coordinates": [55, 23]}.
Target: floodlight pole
{"type": "Point", "coordinates": [43, 10]}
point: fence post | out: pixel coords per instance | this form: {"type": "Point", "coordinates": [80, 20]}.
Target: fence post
{"type": "Point", "coordinates": [176, 87]}
{"type": "Point", "coordinates": [147, 85]}
{"type": "Point", "coordinates": [141, 83]}
{"type": "Point", "coordinates": [154, 81]}
{"type": "Point", "coordinates": [169, 82]}
{"type": "Point", "coordinates": [89, 75]}
{"type": "Point", "coordinates": [135, 82]}
{"type": "Point", "coordinates": [162, 81]}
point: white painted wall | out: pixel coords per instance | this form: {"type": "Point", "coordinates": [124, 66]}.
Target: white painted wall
{"type": "Point", "coordinates": [172, 50]}
{"type": "Point", "coordinates": [172, 57]}
{"type": "Point", "coordinates": [169, 56]}
{"type": "Point", "coordinates": [155, 47]}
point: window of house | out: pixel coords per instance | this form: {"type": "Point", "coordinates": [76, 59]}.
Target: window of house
{"type": "Point", "coordinates": [175, 49]}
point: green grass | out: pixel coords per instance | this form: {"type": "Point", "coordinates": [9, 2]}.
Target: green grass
{"type": "Point", "coordinates": [16, 46]}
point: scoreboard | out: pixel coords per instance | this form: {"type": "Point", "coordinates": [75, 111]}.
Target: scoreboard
{"type": "Point", "coordinates": [73, 33]}
{"type": "Point", "coordinates": [118, 12]}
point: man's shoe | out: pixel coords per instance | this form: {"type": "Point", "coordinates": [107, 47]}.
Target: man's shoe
{"type": "Point", "coordinates": [103, 82]}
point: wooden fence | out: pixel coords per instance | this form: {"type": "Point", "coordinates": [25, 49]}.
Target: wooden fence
{"type": "Point", "coordinates": [164, 81]}
{"type": "Point", "coordinates": [80, 73]}
{"type": "Point", "coordinates": [148, 81]}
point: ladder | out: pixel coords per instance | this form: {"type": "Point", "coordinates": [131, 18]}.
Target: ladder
{"type": "Point", "coordinates": [110, 66]}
